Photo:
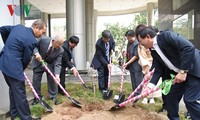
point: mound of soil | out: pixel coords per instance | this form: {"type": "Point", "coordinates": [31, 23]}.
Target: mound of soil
{"type": "Point", "coordinates": [100, 111]}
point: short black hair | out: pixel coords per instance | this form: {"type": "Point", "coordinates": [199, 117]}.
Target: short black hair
{"type": "Point", "coordinates": [130, 33]}
{"type": "Point", "coordinates": [106, 34]}
{"type": "Point", "coordinates": [139, 28]}
{"type": "Point", "coordinates": [143, 33]}
{"type": "Point", "coordinates": [154, 28]}
{"type": "Point", "coordinates": [74, 39]}
{"type": "Point", "coordinates": [126, 32]}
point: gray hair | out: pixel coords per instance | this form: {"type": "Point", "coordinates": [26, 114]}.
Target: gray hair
{"type": "Point", "coordinates": [39, 23]}
{"type": "Point", "coordinates": [57, 38]}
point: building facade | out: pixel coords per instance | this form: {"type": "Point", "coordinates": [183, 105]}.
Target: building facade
{"type": "Point", "coordinates": [182, 16]}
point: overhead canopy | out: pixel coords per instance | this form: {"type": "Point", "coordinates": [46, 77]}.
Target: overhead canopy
{"type": "Point", "coordinates": [103, 7]}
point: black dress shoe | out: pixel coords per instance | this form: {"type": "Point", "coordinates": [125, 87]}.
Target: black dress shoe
{"type": "Point", "coordinates": [36, 118]}
{"type": "Point", "coordinates": [35, 101]}
{"type": "Point", "coordinates": [55, 101]}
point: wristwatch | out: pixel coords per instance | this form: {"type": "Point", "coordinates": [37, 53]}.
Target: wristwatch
{"type": "Point", "coordinates": [183, 71]}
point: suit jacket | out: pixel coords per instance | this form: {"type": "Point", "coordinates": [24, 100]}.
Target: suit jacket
{"type": "Point", "coordinates": [53, 60]}
{"type": "Point", "coordinates": [180, 52]}
{"type": "Point", "coordinates": [112, 43]}
{"type": "Point", "coordinates": [100, 54]}
{"type": "Point", "coordinates": [16, 54]}
{"type": "Point", "coordinates": [67, 56]}
{"type": "Point", "coordinates": [132, 49]}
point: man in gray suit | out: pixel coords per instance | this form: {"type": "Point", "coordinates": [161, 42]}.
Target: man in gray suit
{"type": "Point", "coordinates": [51, 52]}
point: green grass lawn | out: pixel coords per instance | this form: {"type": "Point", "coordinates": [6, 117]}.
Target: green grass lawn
{"type": "Point", "coordinates": [78, 92]}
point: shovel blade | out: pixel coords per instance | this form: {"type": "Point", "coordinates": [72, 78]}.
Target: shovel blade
{"type": "Point", "coordinates": [119, 99]}
{"type": "Point", "coordinates": [88, 87]}
{"type": "Point", "coordinates": [116, 107]}
{"type": "Point", "coordinates": [46, 106]}
{"type": "Point", "coordinates": [107, 94]}
{"type": "Point", "coordinates": [77, 103]}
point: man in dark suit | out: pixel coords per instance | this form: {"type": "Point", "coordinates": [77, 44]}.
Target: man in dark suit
{"type": "Point", "coordinates": [68, 60]}
{"type": "Point", "coordinates": [101, 60]}
{"type": "Point", "coordinates": [51, 51]}
{"type": "Point", "coordinates": [173, 54]}
{"type": "Point", "coordinates": [19, 42]}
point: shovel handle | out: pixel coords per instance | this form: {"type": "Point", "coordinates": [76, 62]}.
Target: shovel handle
{"type": "Point", "coordinates": [31, 86]}
{"type": "Point", "coordinates": [53, 76]}
{"type": "Point", "coordinates": [43, 103]}
{"type": "Point", "coordinates": [82, 82]}
{"type": "Point", "coordinates": [80, 78]}
{"type": "Point", "coordinates": [109, 75]}
{"type": "Point", "coordinates": [123, 71]}
{"type": "Point", "coordinates": [139, 96]}
{"type": "Point", "coordinates": [145, 79]}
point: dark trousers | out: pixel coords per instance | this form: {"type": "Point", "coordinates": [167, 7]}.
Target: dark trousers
{"type": "Point", "coordinates": [192, 97]}
{"type": "Point", "coordinates": [136, 79]}
{"type": "Point", "coordinates": [103, 77]}
{"type": "Point", "coordinates": [37, 78]}
{"type": "Point", "coordinates": [172, 100]}
{"type": "Point", "coordinates": [18, 102]}
{"type": "Point", "coordinates": [164, 102]}
{"type": "Point", "coordinates": [191, 92]}
{"type": "Point", "coordinates": [62, 79]}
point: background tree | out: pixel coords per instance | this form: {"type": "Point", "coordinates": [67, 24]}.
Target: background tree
{"type": "Point", "coordinates": [118, 31]}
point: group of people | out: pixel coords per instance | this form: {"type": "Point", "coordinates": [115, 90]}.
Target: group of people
{"type": "Point", "coordinates": [58, 55]}
{"type": "Point", "coordinates": [170, 53]}
{"type": "Point", "coordinates": [105, 46]}
{"type": "Point", "coordinates": [174, 54]}
{"type": "Point", "coordinates": [20, 45]}
{"type": "Point", "coordinates": [166, 52]}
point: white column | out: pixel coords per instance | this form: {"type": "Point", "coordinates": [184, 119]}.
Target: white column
{"type": "Point", "coordinates": [44, 17]}
{"type": "Point", "coordinates": [95, 28]}
{"type": "Point", "coordinates": [76, 26]}
{"type": "Point", "coordinates": [90, 30]}
{"type": "Point", "coordinates": [7, 19]}
{"type": "Point", "coordinates": [150, 20]}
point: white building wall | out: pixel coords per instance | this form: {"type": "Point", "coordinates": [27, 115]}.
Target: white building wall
{"type": "Point", "coordinates": [7, 19]}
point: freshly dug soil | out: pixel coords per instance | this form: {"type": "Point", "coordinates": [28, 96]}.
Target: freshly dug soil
{"type": "Point", "coordinates": [100, 111]}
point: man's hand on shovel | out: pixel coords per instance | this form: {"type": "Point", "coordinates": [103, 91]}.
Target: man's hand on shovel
{"type": "Point", "coordinates": [57, 78]}
{"type": "Point", "coordinates": [38, 57]}
{"type": "Point", "coordinates": [109, 66]}
{"type": "Point", "coordinates": [75, 71]}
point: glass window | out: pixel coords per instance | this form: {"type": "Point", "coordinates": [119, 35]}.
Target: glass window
{"type": "Point", "coordinates": [185, 25]}
{"type": "Point", "coordinates": [58, 27]}
{"type": "Point", "coordinates": [34, 12]}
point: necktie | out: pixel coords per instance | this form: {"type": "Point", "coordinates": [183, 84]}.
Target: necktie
{"type": "Point", "coordinates": [49, 51]}
{"type": "Point", "coordinates": [72, 56]}
{"type": "Point", "coordinates": [107, 50]}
